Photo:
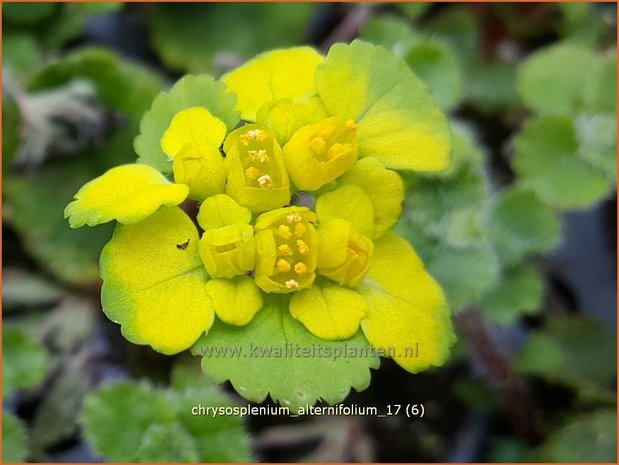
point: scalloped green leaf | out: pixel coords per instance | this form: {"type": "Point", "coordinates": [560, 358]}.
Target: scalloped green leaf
{"type": "Point", "coordinates": [588, 438]}
{"type": "Point", "coordinates": [548, 163]}
{"type": "Point", "coordinates": [190, 91]}
{"type": "Point", "coordinates": [574, 351]}
{"type": "Point", "coordinates": [520, 224]}
{"type": "Point", "coordinates": [596, 134]}
{"type": "Point", "coordinates": [222, 439]}
{"type": "Point", "coordinates": [600, 91]}
{"type": "Point", "coordinates": [199, 37]}
{"type": "Point", "coordinates": [520, 292]}
{"type": "Point", "coordinates": [167, 443]}
{"type": "Point", "coordinates": [259, 359]}
{"type": "Point", "coordinates": [552, 79]}
{"type": "Point", "coordinates": [399, 121]}
{"type": "Point", "coordinates": [24, 361]}
{"type": "Point", "coordinates": [14, 439]}
{"type": "Point", "coordinates": [116, 418]}
{"type": "Point", "coordinates": [149, 268]}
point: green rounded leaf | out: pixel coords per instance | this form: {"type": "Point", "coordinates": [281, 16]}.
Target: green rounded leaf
{"type": "Point", "coordinates": [399, 121]}
{"type": "Point", "coordinates": [117, 417]}
{"type": "Point", "coordinates": [14, 439]}
{"type": "Point", "coordinates": [24, 361]}
{"type": "Point", "coordinates": [548, 163]}
{"type": "Point", "coordinates": [553, 78]}
{"type": "Point", "coordinates": [190, 91]}
{"type": "Point", "coordinates": [167, 443]}
{"type": "Point", "coordinates": [149, 268]}
{"type": "Point", "coordinates": [520, 292]}
{"type": "Point", "coordinates": [520, 224]}
{"type": "Point", "coordinates": [259, 359]}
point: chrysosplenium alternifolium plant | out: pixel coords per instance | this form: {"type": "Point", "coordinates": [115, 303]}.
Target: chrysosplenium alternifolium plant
{"type": "Point", "coordinates": [327, 280]}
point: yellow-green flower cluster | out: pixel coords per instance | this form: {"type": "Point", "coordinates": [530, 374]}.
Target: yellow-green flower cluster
{"type": "Point", "coordinates": [296, 200]}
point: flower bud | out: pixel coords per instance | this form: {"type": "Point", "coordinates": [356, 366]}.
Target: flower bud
{"type": "Point", "coordinates": [202, 169]}
{"type": "Point", "coordinates": [257, 178]}
{"type": "Point", "coordinates": [319, 153]}
{"type": "Point", "coordinates": [343, 255]}
{"type": "Point", "coordinates": [228, 251]}
{"type": "Point", "coordinates": [286, 250]}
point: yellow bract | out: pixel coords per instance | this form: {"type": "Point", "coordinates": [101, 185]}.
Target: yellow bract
{"type": "Point", "coordinates": [407, 312]}
{"type": "Point", "coordinates": [228, 251]}
{"type": "Point", "coordinates": [319, 153]}
{"type": "Point", "coordinates": [383, 187]}
{"type": "Point", "coordinates": [127, 194]}
{"type": "Point", "coordinates": [348, 202]}
{"type": "Point", "coordinates": [286, 250]}
{"type": "Point", "coordinates": [221, 210]}
{"type": "Point", "coordinates": [343, 256]}
{"type": "Point", "coordinates": [257, 178]}
{"type": "Point", "coordinates": [272, 76]}
{"type": "Point", "coordinates": [329, 311]}
{"type": "Point", "coordinates": [202, 169]}
{"type": "Point", "coordinates": [285, 117]}
{"type": "Point", "coordinates": [147, 269]}
{"type": "Point", "coordinates": [194, 126]}
{"type": "Point", "coordinates": [236, 300]}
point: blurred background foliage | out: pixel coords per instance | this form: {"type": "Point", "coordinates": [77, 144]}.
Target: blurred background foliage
{"type": "Point", "coordinates": [520, 232]}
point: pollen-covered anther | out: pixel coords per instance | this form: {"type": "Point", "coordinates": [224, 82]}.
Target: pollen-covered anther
{"type": "Point", "coordinates": [265, 181]}
{"type": "Point", "coordinates": [291, 284]}
{"type": "Point", "coordinates": [258, 155]}
{"type": "Point", "coordinates": [300, 268]}
{"type": "Point", "coordinates": [252, 173]}
{"type": "Point", "coordinates": [302, 247]}
{"type": "Point", "coordinates": [284, 232]}
{"type": "Point", "coordinates": [293, 218]}
{"type": "Point", "coordinates": [299, 229]}
{"type": "Point", "coordinates": [285, 250]}
{"type": "Point", "coordinates": [283, 265]}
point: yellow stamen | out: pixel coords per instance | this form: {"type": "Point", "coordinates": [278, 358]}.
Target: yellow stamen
{"type": "Point", "coordinates": [252, 173]}
{"type": "Point", "coordinates": [260, 155]}
{"type": "Point", "coordinates": [300, 268]}
{"type": "Point", "coordinates": [284, 266]}
{"type": "Point", "coordinates": [318, 145]}
{"type": "Point", "coordinates": [350, 124]}
{"type": "Point", "coordinates": [284, 249]}
{"type": "Point", "coordinates": [336, 150]}
{"type": "Point", "coordinates": [302, 246]}
{"type": "Point", "coordinates": [265, 181]}
{"type": "Point", "coordinates": [293, 218]}
{"type": "Point", "coordinates": [299, 229]}
{"type": "Point", "coordinates": [292, 284]}
{"type": "Point", "coordinates": [327, 131]}
{"type": "Point", "coordinates": [284, 232]}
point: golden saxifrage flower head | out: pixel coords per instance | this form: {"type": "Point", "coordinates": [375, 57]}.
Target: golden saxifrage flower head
{"type": "Point", "coordinates": [296, 205]}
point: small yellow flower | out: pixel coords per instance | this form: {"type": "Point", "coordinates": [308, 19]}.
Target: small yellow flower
{"type": "Point", "coordinates": [319, 153]}
{"type": "Point", "coordinates": [257, 177]}
{"type": "Point", "coordinates": [228, 251]}
{"type": "Point", "coordinates": [286, 250]}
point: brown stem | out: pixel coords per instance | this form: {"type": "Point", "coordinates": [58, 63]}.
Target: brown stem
{"type": "Point", "coordinates": [509, 386]}
{"type": "Point", "coordinates": [349, 27]}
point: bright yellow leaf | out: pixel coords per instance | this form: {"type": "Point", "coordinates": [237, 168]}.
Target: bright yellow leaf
{"type": "Point", "coordinates": [126, 193]}
{"type": "Point", "coordinates": [329, 311]}
{"type": "Point", "coordinates": [195, 126]}
{"type": "Point", "coordinates": [236, 300]}
{"type": "Point", "coordinates": [154, 283]}
{"type": "Point", "coordinates": [407, 311]}
{"type": "Point", "coordinates": [272, 76]}
{"type": "Point", "coordinates": [348, 202]}
{"type": "Point", "coordinates": [221, 210]}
